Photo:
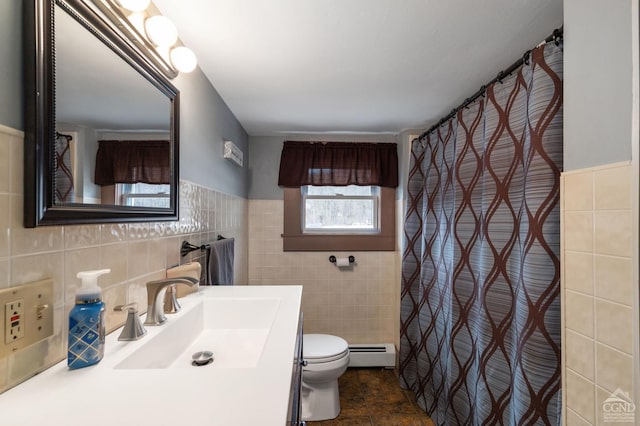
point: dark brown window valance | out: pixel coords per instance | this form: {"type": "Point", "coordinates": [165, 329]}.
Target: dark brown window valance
{"type": "Point", "coordinates": [338, 164]}
{"type": "Point", "coordinates": [133, 162]}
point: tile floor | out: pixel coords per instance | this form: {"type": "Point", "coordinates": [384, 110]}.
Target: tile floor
{"type": "Point", "coordinates": [373, 397]}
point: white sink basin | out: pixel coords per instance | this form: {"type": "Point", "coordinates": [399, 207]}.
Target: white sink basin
{"type": "Point", "coordinates": [250, 329]}
{"type": "Point", "coordinates": [234, 329]}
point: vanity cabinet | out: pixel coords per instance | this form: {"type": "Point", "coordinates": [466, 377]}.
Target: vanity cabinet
{"type": "Point", "coordinates": [295, 397]}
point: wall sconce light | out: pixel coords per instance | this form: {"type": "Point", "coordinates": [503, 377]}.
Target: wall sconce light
{"type": "Point", "coordinates": [161, 31]}
{"type": "Point", "coordinates": [183, 59]}
{"type": "Point", "coordinates": [154, 35]}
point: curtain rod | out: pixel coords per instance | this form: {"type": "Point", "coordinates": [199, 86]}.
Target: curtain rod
{"type": "Point", "coordinates": [556, 36]}
{"type": "Point", "coordinates": [58, 135]}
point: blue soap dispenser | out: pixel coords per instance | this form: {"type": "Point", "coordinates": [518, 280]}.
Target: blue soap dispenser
{"type": "Point", "coordinates": [86, 322]}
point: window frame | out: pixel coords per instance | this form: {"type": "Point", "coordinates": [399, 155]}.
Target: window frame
{"type": "Point", "coordinates": [294, 238]}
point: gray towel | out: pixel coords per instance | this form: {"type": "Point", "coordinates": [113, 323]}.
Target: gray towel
{"type": "Point", "coordinates": [221, 262]}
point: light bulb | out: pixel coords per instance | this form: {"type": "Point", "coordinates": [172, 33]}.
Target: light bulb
{"type": "Point", "coordinates": [183, 59]}
{"type": "Point", "coordinates": [135, 5]}
{"type": "Point", "coordinates": [161, 31]}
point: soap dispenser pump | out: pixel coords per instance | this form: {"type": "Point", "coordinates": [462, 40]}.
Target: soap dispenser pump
{"type": "Point", "coordinates": [86, 322]}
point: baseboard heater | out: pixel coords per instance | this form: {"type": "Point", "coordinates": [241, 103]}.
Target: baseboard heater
{"type": "Point", "coordinates": [376, 355]}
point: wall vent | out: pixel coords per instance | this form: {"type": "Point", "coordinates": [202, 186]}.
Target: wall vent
{"type": "Point", "coordinates": [372, 355]}
{"type": "Point", "coordinates": [233, 153]}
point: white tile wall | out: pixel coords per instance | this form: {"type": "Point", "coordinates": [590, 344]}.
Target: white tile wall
{"type": "Point", "coordinates": [361, 305]}
{"type": "Point", "coordinates": [136, 253]}
{"type": "Point", "coordinates": [597, 290]}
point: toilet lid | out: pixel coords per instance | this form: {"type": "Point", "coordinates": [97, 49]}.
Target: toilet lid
{"type": "Point", "coordinates": [317, 347]}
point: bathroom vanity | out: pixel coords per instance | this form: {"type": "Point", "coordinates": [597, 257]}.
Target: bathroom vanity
{"type": "Point", "coordinates": [254, 334]}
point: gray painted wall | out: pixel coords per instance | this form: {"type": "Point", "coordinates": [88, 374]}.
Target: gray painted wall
{"type": "Point", "coordinates": [205, 120]}
{"type": "Point", "coordinates": [264, 158]}
{"type": "Point", "coordinates": [11, 104]}
{"type": "Point", "coordinates": [597, 82]}
{"type": "Point", "coordinates": [205, 123]}
{"type": "Point", "coordinates": [264, 163]}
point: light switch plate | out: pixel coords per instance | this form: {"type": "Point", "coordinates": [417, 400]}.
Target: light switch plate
{"type": "Point", "coordinates": [35, 311]}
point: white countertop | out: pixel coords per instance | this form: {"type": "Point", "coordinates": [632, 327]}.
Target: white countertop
{"type": "Point", "coordinates": [102, 395]}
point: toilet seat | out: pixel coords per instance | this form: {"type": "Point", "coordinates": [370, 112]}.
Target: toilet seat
{"type": "Point", "coordinates": [320, 348]}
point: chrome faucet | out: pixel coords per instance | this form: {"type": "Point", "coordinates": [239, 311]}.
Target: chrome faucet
{"type": "Point", "coordinates": [155, 293]}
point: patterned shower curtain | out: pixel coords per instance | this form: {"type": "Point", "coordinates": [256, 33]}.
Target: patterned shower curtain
{"type": "Point", "coordinates": [480, 309]}
{"type": "Point", "coordinates": [63, 174]}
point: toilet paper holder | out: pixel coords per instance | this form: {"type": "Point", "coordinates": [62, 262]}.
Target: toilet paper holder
{"type": "Point", "coordinates": [333, 259]}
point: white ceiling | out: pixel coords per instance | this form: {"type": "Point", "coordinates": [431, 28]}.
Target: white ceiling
{"type": "Point", "coordinates": [292, 66]}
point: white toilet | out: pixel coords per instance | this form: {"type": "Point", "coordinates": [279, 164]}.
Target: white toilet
{"type": "Point", "coordinates": [327, 359]}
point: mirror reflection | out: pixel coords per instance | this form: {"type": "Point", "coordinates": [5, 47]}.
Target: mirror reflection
{"type": "Point", "coordinates": [113, 127]}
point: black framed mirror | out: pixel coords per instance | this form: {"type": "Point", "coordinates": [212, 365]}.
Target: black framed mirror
{"type": "Point", "coordinates": [101, 124]}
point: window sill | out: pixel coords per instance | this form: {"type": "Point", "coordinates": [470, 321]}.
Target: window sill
{"type": "Point", "coordinates": [338, 242]}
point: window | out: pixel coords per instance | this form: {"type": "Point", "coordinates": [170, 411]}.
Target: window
{"type": "Point", "coordinates": [339, 195]}
{"type": "Point", "coordinates": [297, 238]}
{"type": "Point", "coordinates": [340, 209]}
{"type": "Point", "coordinates": [143, 195]}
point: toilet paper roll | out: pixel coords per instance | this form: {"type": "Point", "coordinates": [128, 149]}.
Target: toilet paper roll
{"type": "Point", "coordinates": [191, 270]}
{"type": "Point", "coordinates": [342, 262]}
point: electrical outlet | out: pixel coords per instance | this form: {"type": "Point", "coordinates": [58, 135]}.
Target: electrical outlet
{"type": "Point", "coordinates": [13, 321]}
{"type": "Point", "coordinates": [28, 315]}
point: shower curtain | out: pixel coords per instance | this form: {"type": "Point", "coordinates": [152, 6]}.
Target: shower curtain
{"type": "Point", "coordinates": [63, 174]}
{"type": "Point", "coordinates": [480, 308]}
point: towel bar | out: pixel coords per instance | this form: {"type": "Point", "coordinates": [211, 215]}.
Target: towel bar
{"type": "Point", "coordinates": [187, 248]}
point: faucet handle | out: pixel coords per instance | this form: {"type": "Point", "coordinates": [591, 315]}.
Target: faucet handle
{"type": "Point", "coordinates": [129, 307]}
{"type": "Point", "coordinates": [133, 328]}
